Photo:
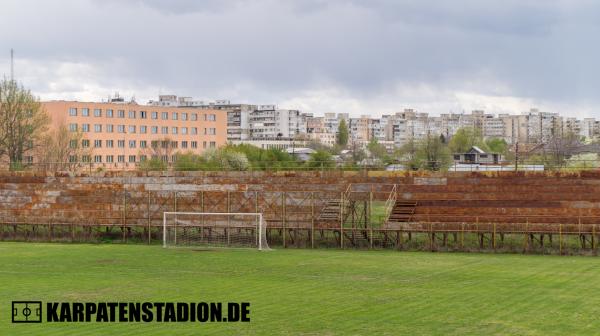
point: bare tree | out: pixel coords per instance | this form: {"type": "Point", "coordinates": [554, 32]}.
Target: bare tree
{"type": "Point", "coordinates": [62, 149]}
{"type": "Point", "coordinates": [22, 121]}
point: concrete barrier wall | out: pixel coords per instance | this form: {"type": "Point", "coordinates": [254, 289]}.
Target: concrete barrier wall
{"type": "Point", "coordinates": [470, 197]}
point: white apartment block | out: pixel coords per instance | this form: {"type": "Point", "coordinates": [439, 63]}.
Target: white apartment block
{"type": "Point", "coordinates": [268, 122]}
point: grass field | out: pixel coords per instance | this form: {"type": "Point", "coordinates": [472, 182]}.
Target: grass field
{"type": "Point", "coordinates": [310, 292]}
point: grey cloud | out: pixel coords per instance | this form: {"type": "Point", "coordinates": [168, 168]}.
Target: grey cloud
{"type": "Point", "coordinates": [269, 50]}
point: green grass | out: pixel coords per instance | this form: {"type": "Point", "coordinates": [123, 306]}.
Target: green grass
{"type": "Point", "coordinates": [311, 292]}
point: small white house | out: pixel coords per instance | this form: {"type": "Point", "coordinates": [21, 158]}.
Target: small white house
{"type": "Point", "coordinates": [476, 155]}
{"type": "Point", "coordinates": [301, 153]}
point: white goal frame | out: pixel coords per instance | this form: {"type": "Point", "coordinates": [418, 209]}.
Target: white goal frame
{"type": "Point", "coordinates": [259, 231]}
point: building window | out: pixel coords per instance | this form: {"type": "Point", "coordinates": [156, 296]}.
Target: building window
{"type": "Point", "coordinates": [121, 158]}
{"type": "Point", "coordinates": [109, 113]}
{"type": "Point", "coordinates": [110, 143]}
{"type": "Point", "coordinates": [73, 127]}
{"type": "Point", "coordinates": [85, 143]}
{"type": "Point", "coordinates": [204, 144]}
{"type": "Point", "coordinates": [85, 158]}
{"type": "Point", "coordinates": [131, 114]}
{"type": "Point", "coordinates": [210, 131]}
{"type": "Point", "coordinates": [85, 127]}
{"type": "Point", "coordinates": [73, 143]}
{"type": "Point", "coordinates": [184, 130]}
{"type": "Point", "coordinates": [154, 115]}
{"type": "Point", "coordinates": [194, 144]}
{"type": "Point", "coordinates": [72, 158]}
{"type": "Point", "coordinates": [97, 113]}
{"type": "Point", "coordinates": [184, 144]}
{"type": "Point", "coordinates": [174, 115]}
{"type": "Point", "coordinates": [194, 116]}
{"type": "Point", "coordinates": [131, 128]}
{"type": "Point", "coordinates": [109, 159]}
{"type": "Point", "coordinates": [143, 143]}
{"type": "Point", "coordinates": [143, 129]}
{"type": "Point", "coordinates": [143, 158]}
{"type": "Point", "coordinates": [109, 128]}
{"type": "Point", "coordinates": [97, 128]}
{"type": "Point", "coordinates": [121, 113]}
{"type": "Point", "coordinates": [164, 116]}
{"type": "Point", "coordinates": [210, 117]}
{"type": "Point", "coordinates": [173, 130]}
{"type": "Point", "coordinates": [121, 143]}
{"type": "Point", "coordinates": [131, 143]}
{"type": "Point", "coordinates": [98, 158]}
{"type": "Point", "coordinates": [213, 144]}
{"type": "Point", "coordinates": [143, 115]}
{"type": "Point", "coordinates": [194, 130]}
{"type": "Point", "coordinates": [184, 116]}
{"type": "Point", "coordinates": [121, 128]}
{"type": "Point", "coordinates": [85, 112]}
{"type": "Point", "coordinates": [73, 112]}
{"type": "Point", "coordinates": [154, 129]}
{"type": "Point", "coordinates": [173, 144]}
{"type": "Point", "coordinates": [97, 143]}
{"type": "Point", "coordinates": [164, 130]}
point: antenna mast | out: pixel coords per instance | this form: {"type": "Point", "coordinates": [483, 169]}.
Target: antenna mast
{"type": "Point", "coordinates": [12, 65]}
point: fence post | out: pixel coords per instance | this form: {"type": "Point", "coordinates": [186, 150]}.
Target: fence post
{"type": "Point", "coordinates": [342, 220]}
{"type": "Point", "coordinates": [370, 221]}
{"type": "Point", "coordinates": [283, 219]}
{"type": "Point", "coordinates": [560, 239]}
{"type": "Point", "coordinates": [149, 220]}
{"type": "Point", "coordinates": [312, 219]}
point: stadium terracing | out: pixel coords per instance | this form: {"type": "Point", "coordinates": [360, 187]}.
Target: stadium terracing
{"type": "Point", "coordinates": [537, 212]}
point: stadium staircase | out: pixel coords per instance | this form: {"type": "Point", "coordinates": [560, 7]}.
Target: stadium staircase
{"type": "Point", "coordinates": [402, 211]}
{"type": "Point", "coordinates": [331, 213]}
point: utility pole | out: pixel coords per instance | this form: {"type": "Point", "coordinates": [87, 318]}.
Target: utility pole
{"type": "Point", "coordinates": [12, 65]}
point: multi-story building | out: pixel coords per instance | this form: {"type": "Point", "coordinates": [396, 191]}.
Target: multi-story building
{"type": "Point", "coordinates": [268, 122]}
{"type": "Point", "coordinates": [124, 134]}
{"type": "Point", "coordinates": [590, 128]}
{"type": "Point", "coordinates": [359, 130]}
{"type": "Point", "coordinates": [542, 126]}
{"type": "Point", "coordinates": [493, 127]}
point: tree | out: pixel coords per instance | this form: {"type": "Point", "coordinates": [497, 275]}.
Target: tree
{"type": "Point", "coordinates": [320, 159]}
{"type": "Point", "coordinates": [497, 145]}
{"type": "Point", "coordinates": [22, 121]}
{"type": "Point", "coordinates": [465, 138]}
{"type": "Point", "coordinates": [377, 150]}
{"type": "Point", "coordinates": [154, 164]}
{"type": "Point", "coordinates": [342, 136]}
{"type": "Point", "coordinates": [163, 150]}
{"type": "Point", "coordinates": [432, 154]}
{"type": "Point", "coordinates": [62, 149]}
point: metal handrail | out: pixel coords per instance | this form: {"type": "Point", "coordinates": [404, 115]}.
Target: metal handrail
{"type": "Point", "coordinates": [391, 201]}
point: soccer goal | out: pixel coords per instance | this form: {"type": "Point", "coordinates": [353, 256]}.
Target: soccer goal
{"type": "Point", "coordinates": [215, 229]}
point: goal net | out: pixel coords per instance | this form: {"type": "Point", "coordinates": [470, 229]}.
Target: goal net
{"type": "Point", "coordinates": [215, 229]}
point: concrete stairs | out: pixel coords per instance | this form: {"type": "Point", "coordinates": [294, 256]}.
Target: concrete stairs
{"type": "Point", "coordinates": [402, 211]}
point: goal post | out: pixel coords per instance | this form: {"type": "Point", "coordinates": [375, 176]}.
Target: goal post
{"type": "Point", "coordinates": [225, 229]}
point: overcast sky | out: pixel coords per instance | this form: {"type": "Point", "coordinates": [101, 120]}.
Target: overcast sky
{"type": "Point", "coordinates": [357, 56]}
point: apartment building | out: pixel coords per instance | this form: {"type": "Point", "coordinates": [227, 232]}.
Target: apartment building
{"type": "Point", "coordinates": [124, 134]}
{"type": "Point", "coordinates": [269, 122]}
{"type": "Point", "coordinates": [359, 130]}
